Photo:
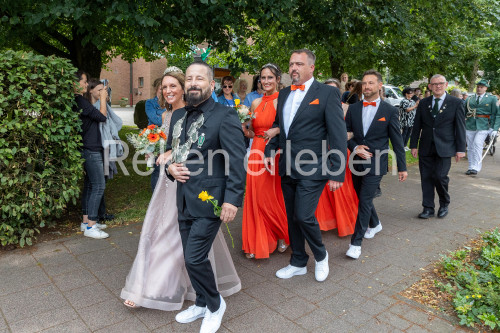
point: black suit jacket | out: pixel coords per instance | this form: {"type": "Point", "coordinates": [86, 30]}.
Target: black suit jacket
{"type": "Point", "coordinates": [318, 126]}
{"type": "Point", "coordinates": [447, 130]}
{"type": "Point", "coordinates": [222, 175]}
{"type": "Point", "coordinates": [385, 126]}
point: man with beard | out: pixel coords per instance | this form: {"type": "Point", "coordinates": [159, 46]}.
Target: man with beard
{"type": "Point", "coordinates": [373, 122]}
{"type": "Point", "coordinates": [310, 118]}
{"type": "Point", "coordinates": [208, 152]}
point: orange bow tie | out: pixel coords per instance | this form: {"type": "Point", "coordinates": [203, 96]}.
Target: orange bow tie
{"type": "Point", "coordinates": [301, 87]}
{"type": "Point", "coordinates": [365, 104]}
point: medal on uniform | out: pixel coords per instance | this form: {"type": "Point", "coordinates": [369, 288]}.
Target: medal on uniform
{"type": "Point", "coordinates": [201, 140]}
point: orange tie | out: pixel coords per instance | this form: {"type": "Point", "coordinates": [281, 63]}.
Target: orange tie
{"type": "Point", "coordinates": [365, 104]}
{"type": "Point", "coordinates": [301, 87]}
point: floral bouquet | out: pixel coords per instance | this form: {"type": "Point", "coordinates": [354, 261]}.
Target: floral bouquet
{"type": "Point", "coordinates": [243, 111]}
{"type": "Point", "coordinates": [151, 140]}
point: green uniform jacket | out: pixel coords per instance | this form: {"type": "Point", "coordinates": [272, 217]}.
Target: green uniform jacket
{"type": "Point", "coordinates": [487, 106]}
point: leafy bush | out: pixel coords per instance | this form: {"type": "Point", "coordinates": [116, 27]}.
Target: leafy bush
{"type": "Point", "coordinates": [40, 163]}
{"type": "Point", "coordinates": [476, 284]}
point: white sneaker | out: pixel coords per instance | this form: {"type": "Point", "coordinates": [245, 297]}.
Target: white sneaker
{"type": "Point", "coordinates": [190, 314]}
{"type": "Point", "coordinates": [212, 321]}
{"type": "Point", "coordinates": [354, 251]}
{"type": "Point", "coordinates": [321, 270]}
{"type": "Point", "coordinates": [83, 226]}
{"type": "Point", "coordinates": [289, 271]}
{"type": "Point", "coordinates": [95, 232]}
{"type": "Point", "coordinates": [370, 232]}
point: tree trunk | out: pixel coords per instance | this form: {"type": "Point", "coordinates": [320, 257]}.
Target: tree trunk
{"type": "Point", "coordinates": [335, 67]}
{"type": "Point", "coordinates": [87, 58]}
{"type": "Point", "coordinates": [473, 76]}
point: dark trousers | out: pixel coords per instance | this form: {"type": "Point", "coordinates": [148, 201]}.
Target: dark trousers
{"type": "Point", "coordinates": [301, 199]}
{"type": "Point", "coordinates": [93, 184]}
{"type": "Point", "coordinates": [434, 175]}
{"type": "Point", "coordinates": [406, 134]}
{"type": "Point", "coordinates": [197, 236]}
{"type": "Point", "coordinates": [365, 187]}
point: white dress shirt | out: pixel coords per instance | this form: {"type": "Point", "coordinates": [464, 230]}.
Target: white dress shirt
{"type": "Point", "coordinates": [292, 104]}
{"type": "Point", "coordinates": [368, 114]}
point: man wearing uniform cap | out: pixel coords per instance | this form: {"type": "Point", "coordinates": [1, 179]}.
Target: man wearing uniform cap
{"type": "Point", "coordinates": [482, 119]}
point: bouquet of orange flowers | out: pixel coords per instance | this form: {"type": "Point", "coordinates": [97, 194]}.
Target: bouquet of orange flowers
{"type": "Point", "coordinates": [243, 111]}
{"type": "Point", "coordinates": [151, 141]}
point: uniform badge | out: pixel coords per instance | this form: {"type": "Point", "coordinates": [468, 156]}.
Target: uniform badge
{"type": "Point", "coordinates": [201, 140]}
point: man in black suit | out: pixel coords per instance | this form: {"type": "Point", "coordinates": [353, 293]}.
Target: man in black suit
{"type": "Point", "coordinates": [310, 119]}
{"type": "Point", "coordinates": [440, 127]}
{"type": "Point", "coordinates": [373, 122]}
{"type": "Point", "coordinates": [208, 153]}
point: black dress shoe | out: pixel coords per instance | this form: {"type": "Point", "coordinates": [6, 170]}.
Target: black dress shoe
{"type": "Point", "coordinates": [378, 193]}
{"type": "Point", "coordinates": [426, 214]}
{"type": "Point", "coordinates": [468, 172]}
{"type": "Point", "coordinates": [473, 172]}
{"type": "Point", "coordinates": [442, 212]}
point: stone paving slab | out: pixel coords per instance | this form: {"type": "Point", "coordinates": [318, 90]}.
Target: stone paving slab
{"type": "Point", "coordinates": [73, 284]}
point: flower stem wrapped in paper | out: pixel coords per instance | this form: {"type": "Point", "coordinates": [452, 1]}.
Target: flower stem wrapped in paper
{"type": "Point", "coordinates": [151, 140]}
{"type": "Point", "coordinates": [243, 111]}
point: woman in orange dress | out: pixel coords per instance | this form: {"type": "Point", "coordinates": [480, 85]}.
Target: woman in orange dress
{"type": "Point", "coordinates": [264, 216]}
{"type": "Point", "coordinates": [339, 209]}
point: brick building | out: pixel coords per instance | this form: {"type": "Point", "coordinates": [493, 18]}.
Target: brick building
{"type": "Point", "coordinates": [136, 86]}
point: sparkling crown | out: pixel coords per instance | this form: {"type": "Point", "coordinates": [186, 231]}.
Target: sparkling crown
{"type": "Point", "coordinates": [172, 69]}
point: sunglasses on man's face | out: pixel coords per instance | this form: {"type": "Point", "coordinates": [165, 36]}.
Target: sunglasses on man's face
{"type": "Point", "coordinates": [227, 87]}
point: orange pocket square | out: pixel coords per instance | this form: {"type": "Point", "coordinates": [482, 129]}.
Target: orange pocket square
{"type": "Point", "coordinates": [382, 119]}
{"type": "Point", "coordinates": [316, 101]}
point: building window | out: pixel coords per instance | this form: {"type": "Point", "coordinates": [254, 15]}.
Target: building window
{"type": "Point", "coordinates": [141, 82]}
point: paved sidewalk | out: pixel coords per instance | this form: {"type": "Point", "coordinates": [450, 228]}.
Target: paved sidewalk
{"type": "Point", "coordinates": [73, 284]}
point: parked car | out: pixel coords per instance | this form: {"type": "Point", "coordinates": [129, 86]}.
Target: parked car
{"type": "Point", "coordinates": [393, 95]}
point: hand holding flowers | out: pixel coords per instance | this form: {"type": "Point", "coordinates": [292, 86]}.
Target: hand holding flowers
{"type": "Point", "coordinates": [243, 111]}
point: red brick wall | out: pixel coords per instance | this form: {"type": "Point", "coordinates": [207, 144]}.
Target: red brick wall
{"type": "Point", "coordinates": [118, 73]}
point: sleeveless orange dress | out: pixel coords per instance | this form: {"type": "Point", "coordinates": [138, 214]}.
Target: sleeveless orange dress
{"type": "Point", "coordinates": [338, 209]}
{"type": "Point", "coordinates": [264, 214]}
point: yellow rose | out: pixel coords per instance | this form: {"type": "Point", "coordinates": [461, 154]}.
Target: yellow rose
{"type": "Point", "coordinates": [237, 102]}
{"type": "Point", "coordinates": [204, 196]}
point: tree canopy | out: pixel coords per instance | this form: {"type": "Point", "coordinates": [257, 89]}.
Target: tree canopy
{"type": "Point", "coordinates": [407, 40]}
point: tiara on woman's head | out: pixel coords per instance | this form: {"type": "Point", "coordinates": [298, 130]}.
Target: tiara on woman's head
{"type": "Point", "coordinates": [172, 69]}
{"type": "Point", "coordinates": [269, 65]}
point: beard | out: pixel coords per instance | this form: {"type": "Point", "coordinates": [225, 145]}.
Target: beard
{"type": "Point", "coordinates": [369, 94]}
{"type": "Point", "coordinates": [295, 79]}
{"type": "Point", "coordinates": [198, 96]}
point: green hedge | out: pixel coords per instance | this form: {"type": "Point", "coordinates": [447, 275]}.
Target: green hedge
{"type": "Point", "coordinates": [40, 163]}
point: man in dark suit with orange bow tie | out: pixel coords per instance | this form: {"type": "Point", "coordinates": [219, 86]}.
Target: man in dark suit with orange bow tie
{"type": "Point", "coordinates": [439, 132]}
{"type": "Point", "coordinates": [310, 118]}
{"type": "Point", "coordinates": [373, 122]}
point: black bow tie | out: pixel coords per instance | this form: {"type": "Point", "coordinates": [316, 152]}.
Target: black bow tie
{"type": "Point", "coordinates": [192, 108]}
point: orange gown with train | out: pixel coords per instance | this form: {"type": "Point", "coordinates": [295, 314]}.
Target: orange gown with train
{"type": "Point", "coordinates": [264, 214]}
{"type": "Point", "coordinates": [338, 209]}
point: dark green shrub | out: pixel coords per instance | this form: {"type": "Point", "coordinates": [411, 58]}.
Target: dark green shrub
{"type": "Point", "coordinates": [140, 117]}
{"type": "Point", "coordinates": [40, 163]}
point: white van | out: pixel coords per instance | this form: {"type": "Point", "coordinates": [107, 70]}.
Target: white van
{"type": "Point", "coordinates": [393, 95]}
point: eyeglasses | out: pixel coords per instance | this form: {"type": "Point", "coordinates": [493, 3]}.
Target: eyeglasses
{"type": "Point", "coordinates": [438, 84]}
{"type": "Point", "coordinates": [227, 87]}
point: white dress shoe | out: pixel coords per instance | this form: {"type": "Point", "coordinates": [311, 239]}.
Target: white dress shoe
{"type": "Point", "coordinates": [95, 232]}
{"type": "Point", "coordinates": [321, 271]}
{"type": "Point", "coordinates": [370, 232]}
{"type": "Point", "coordinates": [354, 251]}
{"type": "Point", "coordinates": [83, 226]}
{"type": "Point", "coordinates": [190, 314]}
{"type": "Point", "coordinates": [289, 271]}
{"type": "Point", "coordinates": [212, 321]}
